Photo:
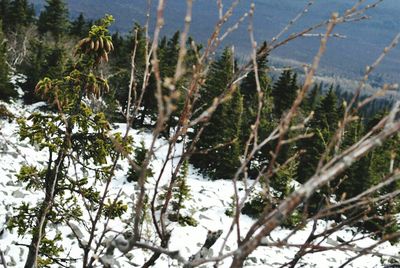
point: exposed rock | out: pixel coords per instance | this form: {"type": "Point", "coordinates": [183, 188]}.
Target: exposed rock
{"type": "Point", "coordinates": [252, 259]}
{"type": "Point", "coordinates": [11, 183]}
{"type": "Point", "coordinates": [12, 262]}
{"type": "Point", "coordinates": [18, 194]}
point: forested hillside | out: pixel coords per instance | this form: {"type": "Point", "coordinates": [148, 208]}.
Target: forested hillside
{"type": "Point", "coordinates": [363, 39]}
{"type": "Point", "coordinates": [154, 148]}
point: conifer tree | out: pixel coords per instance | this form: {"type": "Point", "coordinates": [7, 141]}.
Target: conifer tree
{"type": "Point", "coordinates": [76, 133]}
{"type": "Point", "coordinates": [140, 156]}
{"type": "Point", "coordinates": [6, 88]}
{"type": "Point", "coordinates": [42, 60]}
{"type": "Point", "coordinates": [284, 92]}
{"type": "Point", "coordinates": [248, 88]}
{"type": "Point", "coordinates": [357, 178]}
{"type": "Point", "coordinates": [79, 27]}
{"type": "Point", "coordinates": [54, 19]}
{"type": "Point", "coordinates": [223, 129]}
{"type": "Point", "coordinates": [180, 195]}
{"type": "Point", "coordinates": [21, 14]}
{"type": "Point", "coordinates": [310, 102]}
{"type": "Point", "coordinates": [5, 7]}
{"type": "Point", "coordinates": [323, 126]}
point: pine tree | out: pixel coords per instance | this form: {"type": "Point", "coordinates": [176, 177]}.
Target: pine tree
{"type": "Point", "coordinates": [6, 88]}
{"type": "Point", "coordinates": [223, 129]}
{"type": "Point", "coordinates": [284, 92]}
{"type": "Point", "coordinates": [54, 19]}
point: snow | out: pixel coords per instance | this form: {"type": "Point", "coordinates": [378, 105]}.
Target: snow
{"type": "Point", "coordinates": [210, 200]}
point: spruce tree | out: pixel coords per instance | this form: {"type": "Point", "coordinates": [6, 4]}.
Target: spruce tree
{"type": "Point", "coordinates": [284, 92]}
{"type": "Point", "coordinates": [76, 134]}
{"type": "Point", "coordinates": [79, 27]}
{"type": "Point", "coordinates": [357, 178]}
{"type": "Point", "coordinates": [6, 88]}
{"type": "Point", "coordinates": [54, 19]}
{"type": "Point", "coordinates": [42, 60]}
{"type": "Point", "coordinates": [223, 129]}
{"type": "Point", "coordinates": [5, 7]}
{"type": "Point", "coordinates": [21, 14]}
{"type": "Point", "coordinates": [310, 102]}
{"type": "Point", "coordinates": [323, 125]}
{"type": "Point", "coordinates": [248, 88]}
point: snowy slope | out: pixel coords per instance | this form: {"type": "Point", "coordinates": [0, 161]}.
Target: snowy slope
{"type": "Point", "coordinates": [210, 199]}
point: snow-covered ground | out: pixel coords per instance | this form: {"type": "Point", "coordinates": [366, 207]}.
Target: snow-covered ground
{"type": "Point", "coordinates": [210, 200]}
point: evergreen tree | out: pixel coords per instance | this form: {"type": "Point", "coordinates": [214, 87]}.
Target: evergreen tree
{"type": "Point", "coordinates": [54, 19]}
{"type": "Point", "coordinates": [357, 178]}
{"type": "Point", "coordinates": [42, 60]}
{"type": "Point", "coordinates": [21, 15]}
{"type": "Point", "coordinates": [180, 195]}
{"type": "Point", "coordinates": [5, 9]}
{"type": "Point", "coordinates": [6, 88]}
{"type": "Point", "coordinates": [323, 125]}
{"type": "Point", "coordinates": [121, 68]}
{"type": "Point", "coordinates": [310, 102]}
{"type": "Point", "coordinates": [248, 88]}
{"type": "Point", "coordinates": [76, 134]}
{"type": "Point", "coordinates": [284, 92]}
{"type": "Point", "coordinates": [140, 156]}
{"type": "Point", "coordinates": [79, 27]}
{"type": "Point", "coordinates": [223, 129]}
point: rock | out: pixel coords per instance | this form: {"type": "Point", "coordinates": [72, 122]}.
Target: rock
{"type": "Point", "coordinates": [3, 147]}
{"type": "Point", "coordinates": [18, 194]}
{"type": "Point", "coordinates": [129, 255]}
{"type": "Point", "coordinates": [14, 183]}
{"type": "Point", "coordinates": [76, 230]}
{"type": "Point", "coordinates": [21, 254]}
{"type": "Point", "coordinates": [202, 216]}
{"type": "Point", "coordinates": [14, 154]}
{"type": "Point", "coordinates": [252, 259]}
{"type": "Point", "coordinates": [12, 262]}
{"type": "Point", "coordinates": [23, 144]}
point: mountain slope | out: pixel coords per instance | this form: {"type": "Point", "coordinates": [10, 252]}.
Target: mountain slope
{"type": "Point", "coordinates": [348, 57]}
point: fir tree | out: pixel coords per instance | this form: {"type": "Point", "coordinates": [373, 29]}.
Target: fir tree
{"type": "Point", "coordinates": [223, 129]}
{"type": "Point", "coordinates": [54, 19]}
